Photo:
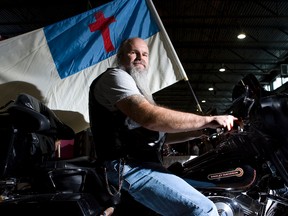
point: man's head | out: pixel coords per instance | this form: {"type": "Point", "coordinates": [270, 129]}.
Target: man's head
{"type": "Point", "coordinates": [133, 54]}
{"type": "Point", "coordinates": [133, 57]}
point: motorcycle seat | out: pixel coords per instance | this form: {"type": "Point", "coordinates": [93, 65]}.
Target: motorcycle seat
{"type": "Point", "coordinates": [30, 115]}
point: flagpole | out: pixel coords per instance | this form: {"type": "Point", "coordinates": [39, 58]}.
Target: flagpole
{"type": "Point", "coordinates": [171, 49]}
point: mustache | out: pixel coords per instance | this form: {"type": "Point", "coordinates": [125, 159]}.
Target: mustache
{"type": "Point", "coordinates": [139, 61]}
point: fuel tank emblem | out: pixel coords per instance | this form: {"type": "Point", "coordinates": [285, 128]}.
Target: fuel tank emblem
{"type": "Point", "coordinates": [238, 172]}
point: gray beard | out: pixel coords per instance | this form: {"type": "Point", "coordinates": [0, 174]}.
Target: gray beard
{"type": "Point", "coordinates": [141, 79]}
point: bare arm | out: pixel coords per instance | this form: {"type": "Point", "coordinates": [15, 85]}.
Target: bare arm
{"type": "Point", "coordinates": [162, 119]}
{"type": "Point", "coordinates": [174, 138]}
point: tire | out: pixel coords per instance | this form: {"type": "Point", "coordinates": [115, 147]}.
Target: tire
{"type": "Point", "coordinates": [277, 209]}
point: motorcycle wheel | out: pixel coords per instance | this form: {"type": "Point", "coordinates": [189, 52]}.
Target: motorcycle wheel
{"type": "Point", "coordinates": [277, 209]}
{"type": "Point", "coordinates": [227, 207]}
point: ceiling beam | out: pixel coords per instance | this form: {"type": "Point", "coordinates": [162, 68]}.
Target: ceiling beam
{"type": "Point", "coordinates": [275, 45]}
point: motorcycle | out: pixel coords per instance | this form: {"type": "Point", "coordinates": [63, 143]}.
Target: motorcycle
{"type": "Point", "coordinates": [245, 173]}
{"type": "Point", "coordinates": [32, 179]}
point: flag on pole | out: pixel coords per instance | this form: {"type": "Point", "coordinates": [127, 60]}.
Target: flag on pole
{"type": "Point", "coordinates": [57, 63]}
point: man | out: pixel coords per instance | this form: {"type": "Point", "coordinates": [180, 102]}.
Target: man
{"type": "Point", "coordinates": [121, 106]}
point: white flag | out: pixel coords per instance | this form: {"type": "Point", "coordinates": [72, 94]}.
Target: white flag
{"type": "Point", "coordinates": [57, 63]}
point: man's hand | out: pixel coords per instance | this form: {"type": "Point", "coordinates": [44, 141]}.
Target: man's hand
{"type": "Point", "coordinates": [226, 121]}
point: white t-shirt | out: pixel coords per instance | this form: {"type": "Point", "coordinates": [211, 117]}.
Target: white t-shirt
{"type": "Point", "coordinates": [115, 85]}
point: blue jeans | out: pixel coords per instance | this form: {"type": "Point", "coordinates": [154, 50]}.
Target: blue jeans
{"type": "Point", "coordinates": [156, 188]}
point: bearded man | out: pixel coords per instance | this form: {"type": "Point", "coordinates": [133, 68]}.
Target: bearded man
{"type": "Point", "coordinates": [129, 130]}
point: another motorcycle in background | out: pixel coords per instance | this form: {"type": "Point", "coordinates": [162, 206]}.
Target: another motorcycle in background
{"type": "Point", "coordinates": [32, 179]}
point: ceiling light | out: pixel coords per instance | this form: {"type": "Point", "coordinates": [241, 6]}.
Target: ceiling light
{"type": "Point", "coordinates": [222, 69]}
{"type": "Point", "coordinates": [211, 89]}
{"type": "Point", "coordinates": [241, 36]}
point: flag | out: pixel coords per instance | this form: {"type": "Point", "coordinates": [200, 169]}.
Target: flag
{"type": "Point", "coordinates": [57, 63]}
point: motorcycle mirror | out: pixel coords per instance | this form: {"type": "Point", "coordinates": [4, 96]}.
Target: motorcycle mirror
{"type": "Point", "coordinates": [248, 86]}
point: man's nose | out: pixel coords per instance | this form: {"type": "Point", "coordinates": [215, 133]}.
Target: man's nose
{"type": "Point", "coordinates": [139, 56]}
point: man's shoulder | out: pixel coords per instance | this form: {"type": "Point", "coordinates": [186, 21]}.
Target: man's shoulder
{"type": "Point", "coordinates": [115, 72]}
{"type": "Point", "coordinates": [114, 76]}
{"type": "Point", "coordinates": [114, 69]}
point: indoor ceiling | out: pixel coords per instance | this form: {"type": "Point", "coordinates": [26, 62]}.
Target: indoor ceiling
{"type": "Point", "coordinates": [204, 36]}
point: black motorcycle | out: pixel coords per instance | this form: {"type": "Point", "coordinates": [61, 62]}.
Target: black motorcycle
{"type": "Point", "coordinates": [246, 173]}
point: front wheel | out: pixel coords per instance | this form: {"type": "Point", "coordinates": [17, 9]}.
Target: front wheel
{"type": "Point", "coordinates": [277, 209]}
{"type": "Point", "coordinates": [226, 206]}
